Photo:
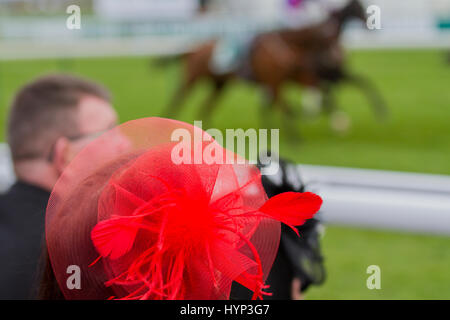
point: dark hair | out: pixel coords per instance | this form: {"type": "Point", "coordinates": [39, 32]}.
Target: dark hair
{"type": "Point", "coordinates": [48, 288]}
{"type": "Point", "coordinates": [45, 110]}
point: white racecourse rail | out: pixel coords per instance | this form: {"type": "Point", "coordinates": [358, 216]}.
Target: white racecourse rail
{"type": "Point", "coordinates": [359, 197]}
{"type": "Point", "coordinates": [381, 199]}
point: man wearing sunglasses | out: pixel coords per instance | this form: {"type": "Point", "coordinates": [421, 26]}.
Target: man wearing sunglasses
{"type": "Point", "coordinates": [50, 121]}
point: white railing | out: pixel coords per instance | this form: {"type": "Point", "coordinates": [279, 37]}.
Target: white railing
{"type": "Point", "coordinates": [382, 199]}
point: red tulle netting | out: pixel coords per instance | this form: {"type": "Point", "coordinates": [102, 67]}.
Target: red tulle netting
{"type": "Point", "coordinates": [140, 226]}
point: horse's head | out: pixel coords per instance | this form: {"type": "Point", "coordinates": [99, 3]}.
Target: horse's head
{"type": "Point", "coordinates": [354, 9]}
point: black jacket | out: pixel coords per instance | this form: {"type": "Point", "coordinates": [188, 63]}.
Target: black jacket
{"type": "Point", "coordinates": [297, 257]}
{"type": "Point", "coordinates": [22, 225]}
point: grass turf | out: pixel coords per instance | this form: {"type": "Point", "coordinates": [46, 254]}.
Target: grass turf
{"type": "Point", "coordinates": [416, 138]}
{"type": "Point", "coordinates": [412, 266]}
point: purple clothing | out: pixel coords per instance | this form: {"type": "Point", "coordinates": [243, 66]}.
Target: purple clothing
{"type": "Point", "coordinates": [294, 3]}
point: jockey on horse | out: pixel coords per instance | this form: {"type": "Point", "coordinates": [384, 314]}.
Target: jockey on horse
{"type": "Point", "coordinates": [232, 49]}
{"type": "Point", "coordinates": [310, 56]}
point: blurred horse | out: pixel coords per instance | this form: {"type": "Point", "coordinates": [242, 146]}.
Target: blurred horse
{"type": "Point", "coordinates": [311, 56]}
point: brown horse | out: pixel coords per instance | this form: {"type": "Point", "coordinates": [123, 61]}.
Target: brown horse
{"type": "Point", "coordinates": [310, 56]}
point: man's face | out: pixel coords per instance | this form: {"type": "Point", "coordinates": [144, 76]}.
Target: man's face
{"type": "Point", "coordinates": [95, 116]}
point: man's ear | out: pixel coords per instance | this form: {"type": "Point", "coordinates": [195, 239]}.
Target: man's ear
{"type": "Point", "coordinates": [61, 154]}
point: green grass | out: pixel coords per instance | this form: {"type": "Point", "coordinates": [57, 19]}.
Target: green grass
{"type": "Point", "coordinates": [415, 138]}
{"type": "Point", "coordinates": [412, 266]}
{"type": "Point", "coordinates": [414, 83]}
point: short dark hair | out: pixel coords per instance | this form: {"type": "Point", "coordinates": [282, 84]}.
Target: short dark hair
{"type": "Point", "coordinates": [45, 110]}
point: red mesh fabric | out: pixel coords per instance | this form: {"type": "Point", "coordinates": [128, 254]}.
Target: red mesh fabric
{"type": "Point", "coordinates": [140, 226]}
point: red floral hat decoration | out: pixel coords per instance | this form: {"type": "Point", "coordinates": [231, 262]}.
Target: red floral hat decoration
{"type": "Point", "coordinates": [140, 226]}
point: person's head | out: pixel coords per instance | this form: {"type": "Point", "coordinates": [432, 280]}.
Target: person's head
{"type": "Point", "coordinates": [51, 119]}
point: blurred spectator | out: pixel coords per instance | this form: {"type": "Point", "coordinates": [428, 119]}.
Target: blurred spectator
{"type": "Point", "coordinates": [50, 121]}
{"type": "Point", "coordinates": [299, 261]}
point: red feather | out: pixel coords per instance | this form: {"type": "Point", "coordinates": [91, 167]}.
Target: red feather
{"type": "Point", "coordinates": [292, 208]}
{"type": "Point", "coordinates": [115, 237]}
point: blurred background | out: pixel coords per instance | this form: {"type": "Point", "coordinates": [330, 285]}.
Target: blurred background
{"type": "Point", "coordinates": [408, 59]}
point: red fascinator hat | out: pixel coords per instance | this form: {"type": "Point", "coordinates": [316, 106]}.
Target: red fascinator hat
{"type": "Point", "coordinates": [140, 225]}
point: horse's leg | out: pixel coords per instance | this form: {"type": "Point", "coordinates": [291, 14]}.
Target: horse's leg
{"type": "Point", "coordinates": [372, 93]}
{"type": "Point", "coordinates": [312, 101]}
{"type": "Point", "coordinates": [275, 99]}
{"type": "Point", "coordinates": [289, 120]}
{"type": "Point", "coordinates": [178, 98]}
{"type": "Point", "coordinates": [288, 117]}
{"type": "Point", "coordinates": [339, 120]}
{"type": "Point", "coordinates": [211, 102]}
{"type": "Point", "coordinates": [285, 106]}
{"type": "Point", "coordinates": [270, 100]}
{"type": "Point", "coordinates": [328, 99]}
